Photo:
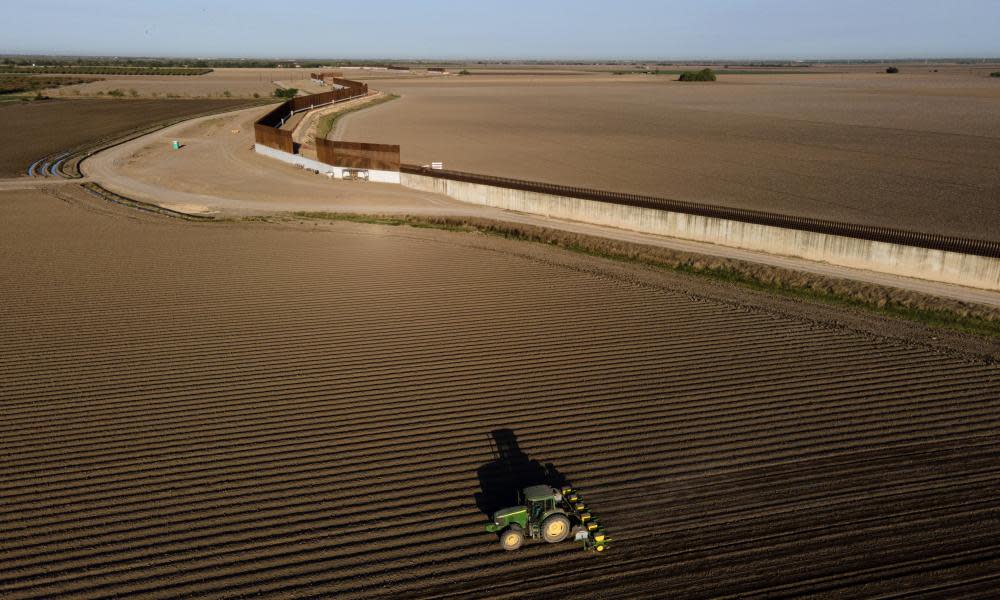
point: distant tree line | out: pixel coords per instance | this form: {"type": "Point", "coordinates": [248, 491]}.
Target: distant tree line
{"type": "Point", "coordinates": [995, 74]}
{"type": "Point", "coordinates": [102, 70]}
{"type": "Point", "coordinates": [55, 61]}
{"type": "Point", "coordinates": [187, 63]}
{"type": "Point", "coordinates": [16, 84]}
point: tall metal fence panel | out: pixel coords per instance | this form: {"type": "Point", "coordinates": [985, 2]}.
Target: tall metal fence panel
{"type": "Point", "coordinates": [273, 138]}
{"type": "Point", "coordinates": [358, 155]}
{"type": "Point", "coordinates": [267, 129]}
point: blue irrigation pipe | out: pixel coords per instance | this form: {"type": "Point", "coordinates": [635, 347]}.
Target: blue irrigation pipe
{"type": "Point", "coordinates": [31, 169]}
{"type": "Point", "coordinates": [55, 164]}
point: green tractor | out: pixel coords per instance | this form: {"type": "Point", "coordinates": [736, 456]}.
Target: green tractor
{"type": "Point", "coordinates": [549, 514]}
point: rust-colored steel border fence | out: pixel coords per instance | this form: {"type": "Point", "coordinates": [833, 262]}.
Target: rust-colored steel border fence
{"type": "Point", "coordinates": [267, 129]}
{"type": "Point", "coordinates": [864, 232]}
{"type": "Point", "coordinates": [325, 75]}
{"type": "Point", "coordinates": [358, 155]}
{"type": "Point", "coordinates": [355, 90]}
{"type": "Point", "coordinates": [273, 138]}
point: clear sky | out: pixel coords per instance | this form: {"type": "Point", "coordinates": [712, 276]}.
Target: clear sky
{"type": "Point", "coordinates": [543, 29]}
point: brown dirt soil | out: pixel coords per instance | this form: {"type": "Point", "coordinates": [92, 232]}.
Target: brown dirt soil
{"type": "Point", "coordinates": [222, 174]}
{"type": "Point", "coordinates": [917, 151]}
{"type": "Point", "coordinates": [41, 128]}
{"type": "Point", "coordinates": [242, 83]}
{"type": "Point", "coordinates": [233, 409]}
{"type": "Point", "coordinates": [764, 276]}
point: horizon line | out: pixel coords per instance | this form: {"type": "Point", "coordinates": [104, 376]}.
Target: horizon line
{"type": "Point", "coordinates": [597, 60]}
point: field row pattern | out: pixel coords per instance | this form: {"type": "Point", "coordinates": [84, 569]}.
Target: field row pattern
{"type": "Point", "coordinates": [280, 412]}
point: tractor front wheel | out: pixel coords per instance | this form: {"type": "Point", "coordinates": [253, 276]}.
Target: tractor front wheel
{"type": "Point", "coordinates": [512, 538]}
{"type": "Point", "coordinates": [555, 529]}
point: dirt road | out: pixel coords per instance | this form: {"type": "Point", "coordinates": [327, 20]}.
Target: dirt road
{"type": "Point", "coordinates": [223, 176]}
{"type": "Point", "coordinates": [217, 172]}
{"type": "Point", "coordinates": [234, 409]}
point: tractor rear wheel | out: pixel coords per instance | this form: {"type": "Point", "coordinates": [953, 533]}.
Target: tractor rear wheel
{"type": "Point", "coordinates": [512, 538]}
{"type": "Point", "coordinates": [555, 528]}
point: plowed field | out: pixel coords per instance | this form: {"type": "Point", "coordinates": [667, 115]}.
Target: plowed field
{"type": "Point", "coordinates": [224, 410]}
{"type": "Point", "coordinates": [918, 152]}
{"type": "Point", "coordinates": [35, 129]}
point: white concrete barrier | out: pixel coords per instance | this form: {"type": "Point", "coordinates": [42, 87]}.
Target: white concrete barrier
{"type": "Point", "coordinates": [315, 165]}
{"type": "Point", "coordinates": [908, 261]}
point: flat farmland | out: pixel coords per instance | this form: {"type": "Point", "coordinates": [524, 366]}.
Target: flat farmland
{"type": "Point", "coordinates": [33, 130]}
{"type": "Point", "coordinates": [919, 151]}
{"type": "Point", "coordinates": [239, 83]}
{"type": "Point", "coordinates": [278, 410]}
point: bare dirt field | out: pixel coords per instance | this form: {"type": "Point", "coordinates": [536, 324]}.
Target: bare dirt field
{"type": "Point", "coordinates": [239, 83]}
{"type": "Point", "coordinates": [919, 150]}
{"type": "Point", "coordinates": [35, 129]}
{"type": "Point", "coordinates": [237, 409]}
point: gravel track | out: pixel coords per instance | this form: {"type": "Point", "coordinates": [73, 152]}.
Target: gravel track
{"type": "Point", "coordinates": [226, 410]}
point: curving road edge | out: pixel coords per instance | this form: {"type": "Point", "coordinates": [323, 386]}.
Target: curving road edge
{"type": "Point", "coordinates": [108, 168]}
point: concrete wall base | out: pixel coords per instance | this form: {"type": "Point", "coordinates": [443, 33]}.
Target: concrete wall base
{"type": "Point", "coordinates": [907, 261]}
{"type": "Point", "coordinates": [315, 165]}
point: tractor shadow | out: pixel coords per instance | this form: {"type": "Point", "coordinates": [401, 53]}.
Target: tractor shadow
{"type": "Point", "coordinates": [510, 471]}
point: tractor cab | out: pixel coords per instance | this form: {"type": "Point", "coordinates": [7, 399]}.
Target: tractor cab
{"type": "Point", "coordinates": [540, 500]}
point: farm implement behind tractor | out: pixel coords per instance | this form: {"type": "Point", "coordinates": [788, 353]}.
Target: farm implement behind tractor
{"type": "Point", "coordinates": [550, 514]}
